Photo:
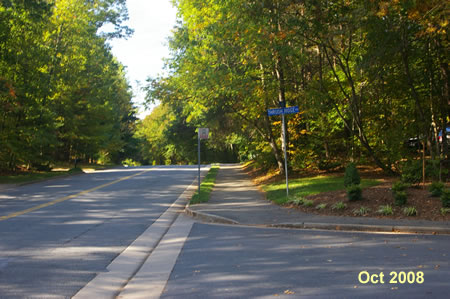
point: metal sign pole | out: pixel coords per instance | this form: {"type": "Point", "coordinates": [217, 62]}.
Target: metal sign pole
{"type": "Point", "coordinates": [285, 153]}
{"type": "Point", "coordinates": [198, 147]}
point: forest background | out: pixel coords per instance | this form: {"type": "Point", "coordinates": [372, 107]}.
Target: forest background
{"type": "Point", "coordinates": [370, 78]}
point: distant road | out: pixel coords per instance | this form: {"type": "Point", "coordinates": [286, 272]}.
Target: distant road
{"type": "Point", "coordinates": [55, 236]}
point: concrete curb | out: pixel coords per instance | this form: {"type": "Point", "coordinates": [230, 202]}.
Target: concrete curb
{"type": "Point", "coordinates": [210, 218]}
{"type": "Point", "coordinates": [128, 263]}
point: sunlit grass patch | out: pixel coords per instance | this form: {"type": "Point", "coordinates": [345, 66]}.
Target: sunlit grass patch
{"type": "Point", "coordinates": [302, 187]}
{"type": "Point", "coordinates": [31, 177]}
{"type": "Point", "coordinates": [206, 186]}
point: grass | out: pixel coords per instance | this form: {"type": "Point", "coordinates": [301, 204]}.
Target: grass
{"type": "Point", "coordinates": [206, 186]}
{"type": "Point", "coordinates": [303, 187]}
{"type": "Point", "coordinates": [361, 211]}
{"type": "Point", "coordinates": [33, 176]}
{"type": "Point", "coordinates": [385, 210]}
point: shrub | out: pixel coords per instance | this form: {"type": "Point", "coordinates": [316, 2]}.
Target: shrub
{"type": "Point", "coordinates": [412, 172]}
{"type": "Point", "coordinates": [296, 201]}
{"type": "Point", "coordinates": [361, 211]}
{"type": "Point", "coordinates": [410, 211]}
{"type": "Point", "coordinates": [385, 210]}
{"type": "Point", "coordinates": [399, 186]}
{"type": "Point", "coordinates": [308, 203]}
{"type": "Point", "coordinates": [351, 176]}
{"type": "Point", "coordinates": [339, 206]}
{"type": "Point", "coordinates": [444, 211]}
{"type": "Point", "coordinates": [321, 206]}
{"type": "Point", "coordinates": [400, 198]}
{"type": "Point", "coordinates": [445, 198]}
{"type": "Point", "coordinates": [436, 189]}
{"type": "Point", "coordinates": [354, 192]}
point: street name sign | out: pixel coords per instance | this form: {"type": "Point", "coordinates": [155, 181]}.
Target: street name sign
{"type": "Point", "coordinates": [278, 111]}
{"type": "Point", "coordinates": [283, 111]}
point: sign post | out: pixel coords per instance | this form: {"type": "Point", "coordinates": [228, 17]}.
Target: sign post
{"type": "Point", "coordinates": [203, 133]}
{"type": "Point", "coordinates": [283, 111]}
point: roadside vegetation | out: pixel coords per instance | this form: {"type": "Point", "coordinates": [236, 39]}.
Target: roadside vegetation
{"type": "Point", "coordinates": [303, 187]}
{"type": "Point", "coordinates": [206, 186]}
{"type": "Point", "coordinates": [370, 79]}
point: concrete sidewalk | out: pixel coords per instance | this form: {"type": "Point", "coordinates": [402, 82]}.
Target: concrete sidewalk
{"type": "Point", "coordinates": [236, 200]}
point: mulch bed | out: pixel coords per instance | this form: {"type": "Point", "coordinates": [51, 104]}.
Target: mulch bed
{"type": "Point", "coordinates": [428, 208]}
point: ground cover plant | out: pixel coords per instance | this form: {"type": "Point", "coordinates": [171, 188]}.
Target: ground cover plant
{"type": "Point", "coordinates": [377, 191]}
{"type": "Point", "coordinates": [206, 186]}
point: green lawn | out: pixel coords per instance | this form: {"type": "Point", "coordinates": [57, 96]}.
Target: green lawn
{"type": "Point", "coordinates": [32, 176]}
{"type": "Point", "coordinates": [302, 187]}
{"type": "Point", "coordinates": [206, 186]}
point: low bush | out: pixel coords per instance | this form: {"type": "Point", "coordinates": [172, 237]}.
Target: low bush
{"type": "Point", "coordinates": [436, 189]}
{"type": "Point", "coordinates": [296, 201]}
{"type": "Point", "coordinates": [412, 172]}
{"type": "Point", "coordinates": [351, 176]}
{"type": "Point", "coordinates": [385, 210]}
{"type": "Point", "coordinates": [354, 192]}
{"type": "Point", "coordinates": [361, 211]}
{"type": "Point", "coordinates": [400, 198]}
{"type": "Point", "coordinates": [399, 186]}
{"type": "Point", "coordinates": [339, 206]}
{"type": "Point", "coordinates": [444, 211]}
{"type": "Point", "coordinates": [410, 211]}
{"type": "Point", "coordinates": [308, 203]}
{"type": "Point", "coordinates": [321, 206]}
{"type": "Point", "coordinates": [445, 198]}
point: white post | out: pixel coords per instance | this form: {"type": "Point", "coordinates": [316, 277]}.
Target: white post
{"type": "Point", "coordinates": [285, 153]}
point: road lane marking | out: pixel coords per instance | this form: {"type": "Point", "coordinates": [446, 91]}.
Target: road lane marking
{"type": "Point", "coordinates": [51, 203]}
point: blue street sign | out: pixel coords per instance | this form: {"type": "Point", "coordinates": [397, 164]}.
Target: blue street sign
{"type": "Point", "coordinates": [278, 111]}
{"type": "Point", "coordinates": [290, 110]}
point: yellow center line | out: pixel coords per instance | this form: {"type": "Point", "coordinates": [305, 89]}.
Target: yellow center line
{"type": "Point", "coordinates": [44, 205]}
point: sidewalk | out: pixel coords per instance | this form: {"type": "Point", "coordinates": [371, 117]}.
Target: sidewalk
{"type": "Point", "coordinates": [236, 200]}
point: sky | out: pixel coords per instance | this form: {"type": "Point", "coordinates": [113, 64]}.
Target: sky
{"type": "Point", "coordinates": [143, 53]}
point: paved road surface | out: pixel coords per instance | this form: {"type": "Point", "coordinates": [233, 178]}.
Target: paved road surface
{"type": "Point", "coordinates": [55, 250]}
{"type": "Point", "coordinates": [220, 261]}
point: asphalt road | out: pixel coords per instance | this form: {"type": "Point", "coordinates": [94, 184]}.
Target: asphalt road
{"type": "Point", "coordinates": [58, 235]}
{"type": "Point", "coordinates": [219, 261]}
{"type": "Point", "coordinates": [55, 236]}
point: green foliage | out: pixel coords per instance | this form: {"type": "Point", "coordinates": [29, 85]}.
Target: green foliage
{"type": "Point", "coordinates": [399, 193]}
{"type": "Point", "coordinates": [362, 211]}
{"type": "Point", "coordinates": [444, 211]}
{"type": "Point", "coordinates": [339, 206]}
{"type": "Point", "coordinates": [302, 187]}
{"type": "Point", "coordinates": [351, 176]}
{"type": "Point", "coordinates": [308, 203]}
{"type": "Point", "coordinates": [410, 211]}
{"type": "Point", "coordinates": [321, 206]}
{"type": "Point", "coordinates": [130, 162]}
{"type": "Point", "coordinates": [400, 198]}
{"type": "Point", "coordinates": [354, 192]}
{"type": "Point", "coordinates": [385, 210]}
{"type": "Point", "coordinates": [399, 186]}
{"type": "Point", "coordinates": [206, 186]}
{"type": "Point", "coordinates": [436, 189]}
{"type": "Point", "coordinates": [328, 165]}
{"type": "Point", "coordinates": [445, 198]}
{"type": "Point", "coordinates": [63, 96]}
{"type": "Point", "coordinates": [296, 201]}
{"type": "Point", "coordinates": [412, 172]}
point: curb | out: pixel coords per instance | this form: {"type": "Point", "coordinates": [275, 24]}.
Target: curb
{"type": "Point", "coordinates": [127, 264]}
{"type": "Point", "coordinates": [209, 218]}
